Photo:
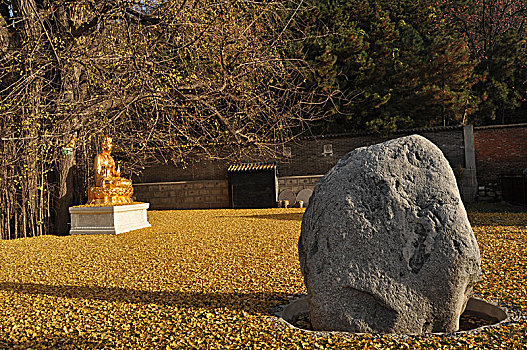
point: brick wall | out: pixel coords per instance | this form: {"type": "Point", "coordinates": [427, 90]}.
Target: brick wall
{"type": "Point", "coordinates": [500, 150]}
{"type": "Point", "coordinates": [307, 154]}
{"type": "Point", "coordinates": [168, 186]}
{"type": "Point", "coordinates": [184, 194]}
{"type": "Point", "coordinates": [193, 171]}
{"type": "Point", "coordinates": [206, 194]}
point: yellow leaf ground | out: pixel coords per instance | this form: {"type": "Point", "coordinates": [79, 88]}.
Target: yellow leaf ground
{"type": "Point", "coordinates": [206, 280]}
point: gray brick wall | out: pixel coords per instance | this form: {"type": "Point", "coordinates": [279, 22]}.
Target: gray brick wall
{"type": "Point", "coordinates": [296, 184]}
{"type": "Point", "coordinates": [184, 194]}
{"type": "Point", "coordinates": [205, 194]}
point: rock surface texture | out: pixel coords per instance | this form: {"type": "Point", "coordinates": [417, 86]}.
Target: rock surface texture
{"type": "Point", "coordinates": [386, 245]}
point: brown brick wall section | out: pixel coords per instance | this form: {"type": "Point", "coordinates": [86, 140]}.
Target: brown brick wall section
{"type": "Point", "coordinates": [203, 170]}
{"type": "Point", "coordinates": [500, 150]}
{"type": "Point", "coordinates": [307, 155]}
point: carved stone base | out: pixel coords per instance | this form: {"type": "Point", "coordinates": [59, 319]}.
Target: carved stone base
{"type": "Point", "coordinates": [108, 220]}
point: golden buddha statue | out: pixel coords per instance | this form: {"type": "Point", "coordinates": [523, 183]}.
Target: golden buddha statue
{"type": "Point", "coordinates": [110, 188]}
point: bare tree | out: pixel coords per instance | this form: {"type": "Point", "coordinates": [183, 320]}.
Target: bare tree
{"type": "Point", "coordinates": [168, 79]}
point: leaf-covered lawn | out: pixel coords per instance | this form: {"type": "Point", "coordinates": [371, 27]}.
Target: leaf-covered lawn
{"type": "Point", "coordinates": [207, 279]}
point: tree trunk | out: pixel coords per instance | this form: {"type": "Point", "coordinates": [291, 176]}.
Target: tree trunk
{"type": "Point", "coordinates": [65, 191]}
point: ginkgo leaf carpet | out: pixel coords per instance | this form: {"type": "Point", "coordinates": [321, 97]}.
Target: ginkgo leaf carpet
{"type": "Point", "coordinates": [207, 279]}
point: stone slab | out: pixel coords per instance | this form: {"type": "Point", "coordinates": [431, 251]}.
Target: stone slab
{"type": "Point", "coordinates": [304, 196]}
{"type": "Point", "coordinates": [287, 195]}
{"type": "Point", "coordinates": [108, 220]}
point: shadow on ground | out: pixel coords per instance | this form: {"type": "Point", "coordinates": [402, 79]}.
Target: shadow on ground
{"type": "Point", "coordinates": [252, 303]}
{"type": "Point", "coordinates": [497, 207]}
{"type": "Point", "coordinates": [285, 216]}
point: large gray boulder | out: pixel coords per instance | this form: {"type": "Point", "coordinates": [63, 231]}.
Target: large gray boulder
{"type": "Point", "coordinates": [386, 246]}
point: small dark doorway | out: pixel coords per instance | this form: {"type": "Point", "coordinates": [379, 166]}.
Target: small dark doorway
{"type": "Point", "coordinates": [514, 189]}
{"type": "Point", "coordinates": [253, 185]}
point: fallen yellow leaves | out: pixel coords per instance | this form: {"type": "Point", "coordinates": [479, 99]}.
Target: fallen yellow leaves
{"type": "Point", "coordinates": [207, 280]}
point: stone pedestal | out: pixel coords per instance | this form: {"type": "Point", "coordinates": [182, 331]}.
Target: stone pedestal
{"type": "Point", "coordinates": [108, 220]}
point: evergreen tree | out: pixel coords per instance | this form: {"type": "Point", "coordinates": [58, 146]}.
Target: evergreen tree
{"type": "Point", "coordinates": [504, 90]}
{"type": "Point", "coordinates": [383, 66]}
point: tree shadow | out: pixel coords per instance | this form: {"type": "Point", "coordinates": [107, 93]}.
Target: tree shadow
{"type": "Point", "coordinates": [481, 219]}
{"type": "Point", "coordinates": [259, 303]}
{"type": "Point", "coordinates": [285, 216]}
{"type": "Point", "coordinates": [497, 207]}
